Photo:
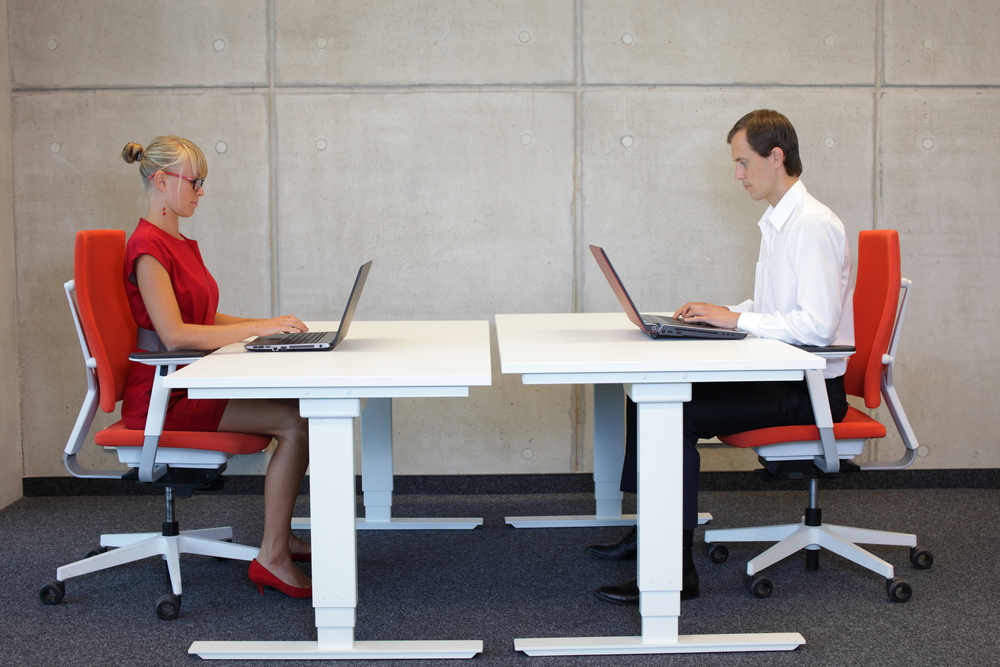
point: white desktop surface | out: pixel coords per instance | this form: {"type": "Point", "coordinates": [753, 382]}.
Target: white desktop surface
{"type": "Point", "coordinates": [609, 343]}
{"type": "Point", "coordinates": [375, 356]}
{"type": "Point", "coordinates": [607, 349]}
{"type": "Point", "coordinates": [378, 360]}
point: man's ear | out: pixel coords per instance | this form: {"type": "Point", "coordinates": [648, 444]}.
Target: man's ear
{"type": "Point", "coordinates": [777, 157]}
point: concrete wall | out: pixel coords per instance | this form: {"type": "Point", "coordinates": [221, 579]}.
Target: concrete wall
{"type": "Point", "coordinates": [10, 394]}
{"type": "Point", "coordinates": [473, 150]}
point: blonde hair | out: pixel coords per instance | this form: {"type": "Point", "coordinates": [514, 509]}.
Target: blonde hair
{"type": "Point", "coordinates": [162, 154]}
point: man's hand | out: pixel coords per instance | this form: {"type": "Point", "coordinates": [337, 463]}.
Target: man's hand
{"type": "Point", "coordinates": [708, 313]}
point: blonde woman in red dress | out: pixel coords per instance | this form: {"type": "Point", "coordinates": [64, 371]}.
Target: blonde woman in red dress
{"type": "Point", "coordinates": [174, 297]}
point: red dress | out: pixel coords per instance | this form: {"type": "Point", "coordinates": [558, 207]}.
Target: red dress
{"type": "Point", "coordinates": [197, 297]}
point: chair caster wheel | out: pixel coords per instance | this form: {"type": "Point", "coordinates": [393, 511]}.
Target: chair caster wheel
{"type": "Point", "coordinates": [52, 592]}
{"type": "Point", "coordinates": [898, 590]}
{"type": "Point", "coordinates": [921, 558]}
{"type": "Point", "coordinates": [760, 586]}
{"type": "Point", "coordinates": [96, 552]}
{"type": "Point", "coordinates": [718, 553]}
{"type": "Point", "coordinates": [168, 607]}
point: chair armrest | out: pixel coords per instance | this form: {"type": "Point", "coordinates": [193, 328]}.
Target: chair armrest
{"type": "Point", "coordinates": [829, 351]}
{"type": "Point", "coordinates": [829, 462]}
{"type": "Point", "coordinates": [177, 357]}
{"type": "Point", "coordinates": [166, 363]}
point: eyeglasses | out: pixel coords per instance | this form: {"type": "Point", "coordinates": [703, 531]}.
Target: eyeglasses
{"type": "Point", "coordinates": [196, 182]}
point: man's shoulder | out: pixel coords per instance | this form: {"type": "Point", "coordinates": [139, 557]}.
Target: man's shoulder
{"type": "Point", "coordinates": [813, 209]}
{"type": "Point", "coordinates": [815, 218]}
{"type": "Point", "coordinates": [814, 206]}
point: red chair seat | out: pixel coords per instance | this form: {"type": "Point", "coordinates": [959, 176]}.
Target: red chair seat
{"type": "Point", "coordinates": [117, 435]}
{"type": "Point", "coordinates": [856, 426]}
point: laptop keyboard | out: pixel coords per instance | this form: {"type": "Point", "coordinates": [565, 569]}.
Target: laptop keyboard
{"type": "Point", "coordinates": [303, 338]}
{"type": "Point", "coordinates": [660, 319]}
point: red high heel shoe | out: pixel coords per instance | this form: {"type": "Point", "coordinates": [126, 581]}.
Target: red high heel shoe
{"type": "Point", "coordinates": [261, 576]}
{"type": "Point", "coordinates": [303, 558]}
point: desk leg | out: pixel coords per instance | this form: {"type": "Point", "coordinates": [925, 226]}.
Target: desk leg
{"type": "Point", "coordinates": [376, 459]}
{"type": "Point", "coordinates": [609, 456]}
{"type": "Point", "coordinates": [661, 423]}
{"type": "Point", "coordinates": [660, 497]}
{"type": "Point", "coordinates": [609, 450]}
{"type": "Point", "coordinates": [331, 507]}
{"type": "Point", "coordinates": [376, 477]}
{"type": "Point", "coordinates": [334, 548]}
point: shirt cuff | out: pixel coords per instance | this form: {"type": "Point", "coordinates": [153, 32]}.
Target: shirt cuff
{"type": "Point", "coordinates": [749, 322]}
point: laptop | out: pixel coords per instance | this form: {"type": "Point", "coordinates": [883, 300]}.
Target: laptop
{"type": "Point", "coordinates": [657, 325]}
{"type": "Point", "coordinates": [315, 340]}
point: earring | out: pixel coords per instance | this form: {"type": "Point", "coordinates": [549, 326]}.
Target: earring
{"type": "Point", "coordinates": [164, 203]}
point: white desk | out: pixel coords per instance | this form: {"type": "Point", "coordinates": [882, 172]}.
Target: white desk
{"type": "Point", "coordinates": [603, 349]}
{"type": "Point", "coordinates": [609, 457]}
{"type": "Point", "coordinates": [376, 478]}
{"type": "Point", "coordinates": [378, 361]}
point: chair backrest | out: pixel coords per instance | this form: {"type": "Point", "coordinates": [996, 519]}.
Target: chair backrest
{"type": "Point", "coordinates": [876, 298]}
{"type": "Point", "coordinates": [98, 261]}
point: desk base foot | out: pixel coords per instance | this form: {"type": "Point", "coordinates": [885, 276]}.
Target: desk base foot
{"type": "Point", "coordinates": [389, 650]}
{"type": "Point", "coordinates": [581, 521]}
{"type": "Point", "coordinates": [397, 523]}
{"type": "Point", "coordinates": [428, 523]}
{"type": "Point", "coordinates": [778, 641]}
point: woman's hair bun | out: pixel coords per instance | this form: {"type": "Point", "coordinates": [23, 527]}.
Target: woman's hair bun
{"type": "Point", "coordinates": [132, 153]}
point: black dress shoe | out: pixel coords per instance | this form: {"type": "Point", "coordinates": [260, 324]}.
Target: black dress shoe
{"type": "Point", "coordinates": [623, 549]}
{"type": "Point", "coordinates": [689, 584]}
{"type": "Point", "coordinates": [628, 593]}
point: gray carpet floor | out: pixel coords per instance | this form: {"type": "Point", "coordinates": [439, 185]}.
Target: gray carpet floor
{"type": "Point", "coordinates": [496, 583]}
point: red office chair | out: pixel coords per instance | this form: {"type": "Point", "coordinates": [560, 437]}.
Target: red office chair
{"type": "Point", "coordinates": [799, 452]}
{"type": "Point", "coordinates": [179, 461]}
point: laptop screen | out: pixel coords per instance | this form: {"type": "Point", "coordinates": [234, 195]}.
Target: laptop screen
{"type": "Point", "coordinates": [616, 286]}
{"type": "Point", "coordinates": [352, 303]}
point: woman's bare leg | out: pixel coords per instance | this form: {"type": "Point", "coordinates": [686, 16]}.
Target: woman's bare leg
{"type": "Point", "coordinates": [288, 464]}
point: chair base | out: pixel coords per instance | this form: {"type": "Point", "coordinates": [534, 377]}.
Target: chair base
{"type": "Point", "coordinates": [791, 538]}
{"type": "Point", "coordinates": [136, 546]}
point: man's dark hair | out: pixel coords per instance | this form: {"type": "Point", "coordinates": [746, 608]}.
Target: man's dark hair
{"type": "Point", "coordinates": [766, 130]}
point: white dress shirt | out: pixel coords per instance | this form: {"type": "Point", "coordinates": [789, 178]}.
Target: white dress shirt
{"type": "Point", "coordinates": [802, 288]}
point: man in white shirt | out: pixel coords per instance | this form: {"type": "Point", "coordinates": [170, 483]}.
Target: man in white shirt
{"type": "Point", "coordinates": [801, 296]}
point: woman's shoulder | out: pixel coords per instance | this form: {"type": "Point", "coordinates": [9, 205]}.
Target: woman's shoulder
{"type": "Point", "coordinates": [148, 239]}
{"type": "Point", "coordinates": [148, 233]}
{"type": "Point", "coordinates": [144, 232]}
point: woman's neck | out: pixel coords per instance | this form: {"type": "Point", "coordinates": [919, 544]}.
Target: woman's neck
{"type": "Point", "coordinates": [168, 222]}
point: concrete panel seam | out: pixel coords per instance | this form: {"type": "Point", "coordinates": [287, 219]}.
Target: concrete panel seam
{"type": "Point", "coordinates": [518, 88]}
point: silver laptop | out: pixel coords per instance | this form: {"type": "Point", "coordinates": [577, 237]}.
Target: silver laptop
{"type": "Point", "coordinates": [315, 340]}
{"type": "Point", "coordinates": [657, 325]}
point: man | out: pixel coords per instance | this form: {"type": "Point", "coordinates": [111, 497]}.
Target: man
{"type": "Point", "coordinates": [801, 295]}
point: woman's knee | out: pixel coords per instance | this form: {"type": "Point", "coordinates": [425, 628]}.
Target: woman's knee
{"type": "Point", "coordinates": [295, 428]}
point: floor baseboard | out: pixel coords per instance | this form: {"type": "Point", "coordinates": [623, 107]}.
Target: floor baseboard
{"type": "Point", "coordinates": [984, 478]}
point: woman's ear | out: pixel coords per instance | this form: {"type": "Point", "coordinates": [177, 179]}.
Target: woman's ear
{"type": "Point", "coordinates": [159, 180]}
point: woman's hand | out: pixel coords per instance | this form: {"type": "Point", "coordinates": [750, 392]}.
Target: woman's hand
{"type": "Point", "coordinates": [283, 324]}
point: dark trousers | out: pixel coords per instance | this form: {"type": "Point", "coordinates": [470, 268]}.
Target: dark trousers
{"type": "Point", "coordinates": [723, 408]}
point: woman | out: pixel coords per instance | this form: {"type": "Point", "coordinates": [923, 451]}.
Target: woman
{"type": "Point", "coordinates": [174, 298]}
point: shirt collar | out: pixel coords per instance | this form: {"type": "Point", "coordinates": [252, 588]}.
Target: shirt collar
{"type": "Point", "coordinates": [778, 215]}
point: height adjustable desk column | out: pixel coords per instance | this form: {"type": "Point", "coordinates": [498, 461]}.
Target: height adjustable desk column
{"type": "Point", "coordinates": [380, 360]}
{"type": "Point", "coordinates": [376, 479]}
{"type": "Point", "coordinates": [600, 349]}
{"type": "Point", "coordinates": [609, 457]}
